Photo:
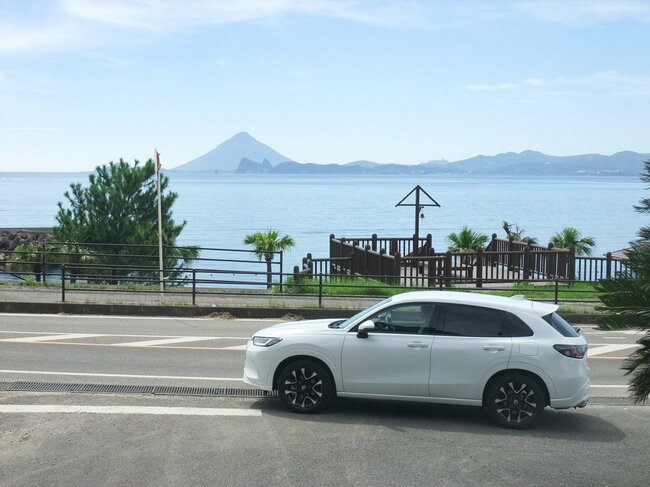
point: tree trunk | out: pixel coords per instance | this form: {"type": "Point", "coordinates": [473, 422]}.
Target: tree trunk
{"type": "Point", "coordinates": [269, 274]}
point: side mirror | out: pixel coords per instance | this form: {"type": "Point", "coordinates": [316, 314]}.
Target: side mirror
{"type": "Point", "coordinates": [364, 328]}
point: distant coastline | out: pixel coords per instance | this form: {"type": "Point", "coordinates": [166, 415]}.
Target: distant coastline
{"type": "Point", "coordinates": [243, 154]}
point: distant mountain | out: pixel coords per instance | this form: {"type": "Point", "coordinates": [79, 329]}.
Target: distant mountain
{"type": "Point", "coordinates": [227, 156]}
{"type": "Point", "coordinates": [243, 153]}
{"type": "Point", "coordinates": [527, 163]}
{"type": "Point", "coordinates": [537, 163]}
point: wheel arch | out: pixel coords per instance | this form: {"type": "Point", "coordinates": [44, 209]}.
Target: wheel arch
{"type": "Point", "coordinates": [295, 358]}
{"type": "Point", "coordinates": [501, 373]}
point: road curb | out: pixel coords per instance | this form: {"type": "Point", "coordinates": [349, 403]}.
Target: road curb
{"type": "Point", "coordinates": [200, 311]}
{"type": "Point", "coordinates": [174, 311]}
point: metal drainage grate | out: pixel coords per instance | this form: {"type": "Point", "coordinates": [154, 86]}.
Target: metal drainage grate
{"type": "Point", "coordinates": [612, 401]}
{"type": "Point", "coordinates": [128, 389]}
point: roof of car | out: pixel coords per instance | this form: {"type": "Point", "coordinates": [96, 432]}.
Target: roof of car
{"type": "Point", "coordinates": [478, 299]}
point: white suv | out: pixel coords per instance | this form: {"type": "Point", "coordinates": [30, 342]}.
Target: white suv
{"type": "Point", "coordinates": [511, 356]}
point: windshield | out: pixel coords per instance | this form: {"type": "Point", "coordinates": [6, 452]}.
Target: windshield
{"type": "Point", "coordinates": [351, 319]}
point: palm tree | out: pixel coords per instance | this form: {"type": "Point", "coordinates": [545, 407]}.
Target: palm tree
{"type": "Point", "coordinates": [29, 256]}
{"type": "Point", "coordinates": [467, 240]}
{"type": "Point", "coordinates": [626, 300]}
{"type": "Point", "coordinates": [516, 234]}
{"type": "Point", "coordinates": [571, 236]}
{"type": "Point", "coordinates": [266, 244]}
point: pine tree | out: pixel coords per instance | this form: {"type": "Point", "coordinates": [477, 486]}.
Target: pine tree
{"type": "Point", "coordinates": [119, 209]}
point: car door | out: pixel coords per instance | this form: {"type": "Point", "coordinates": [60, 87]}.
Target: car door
{"type": "Point", "coordinates": [471, 342]}
{"type": "Point", "coordinates": [394, 359]}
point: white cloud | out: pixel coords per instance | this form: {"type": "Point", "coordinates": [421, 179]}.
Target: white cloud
{"type": "Point", "coordinates": [66, 24]}
{"type": "Point", "coordinates": [582, 12]}
{"type": "Point", "coordinates": [609, 82]}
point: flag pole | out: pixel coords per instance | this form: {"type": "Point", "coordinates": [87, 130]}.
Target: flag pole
{"type": "Point", "coordinates": [160, 240]}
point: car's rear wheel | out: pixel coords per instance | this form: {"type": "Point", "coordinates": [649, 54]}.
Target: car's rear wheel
{"type": "Point", "coordinates": [305, 386]}
{"type": "Point", "coordinates": [515, 400]}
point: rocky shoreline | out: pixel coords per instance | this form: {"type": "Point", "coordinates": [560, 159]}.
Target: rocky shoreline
{"type": "Point", "coordinates": [10, 238]}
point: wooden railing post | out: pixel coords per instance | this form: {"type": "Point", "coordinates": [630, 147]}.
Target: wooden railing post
{"type": "Point", "coordinates": [397, 269]}
{"type": "Point", "coordinates": [447, 270]}
{"type": "Point", "coordinates": [374, 242]}
{"type": "Point", "coordinates": [608, 266]}
{"type": "Point", "coordinates": [479, 267]}
{"type": "Point", "coordinates": [527, 265]}
{"type": "Point", "coordinates": [572, 263]}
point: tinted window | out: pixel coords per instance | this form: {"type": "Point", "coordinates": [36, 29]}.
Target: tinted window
{"type": "Point", "coordinates": [473, 321]}
{"type": "Point", "coordinates": [561, 325]}
{"type": "Point", "coordinates": [516, 327]}
{"type": "Point", "coordinates": [405, 318]}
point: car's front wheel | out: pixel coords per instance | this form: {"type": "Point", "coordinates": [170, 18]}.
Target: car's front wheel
{"type": "Point", "coordinates": [515, 400]}
{"type": "Point", "coordinates": [305, 386]}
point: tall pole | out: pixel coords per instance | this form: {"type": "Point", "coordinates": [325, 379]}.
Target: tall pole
{"type": "Point", "coordinates": [417, 217]}
{"type": "Point", "coordinates": [160, 239]}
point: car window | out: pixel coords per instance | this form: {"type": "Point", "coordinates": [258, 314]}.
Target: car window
{"type": "Point", "coordinates": [516, 326]}
{"type": "Point", "coordinates": [473, 321]}
{"type": "Point", "coordinates": [561, 325]}
{"type": "Point", "coordinates": [405, 318]}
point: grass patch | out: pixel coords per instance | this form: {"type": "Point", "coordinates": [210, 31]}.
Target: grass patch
{"type": "Point", "coordinates": [342, 286]}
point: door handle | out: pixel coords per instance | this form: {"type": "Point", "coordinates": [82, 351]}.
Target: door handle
{"type": "Point", "coordinates": [417, 345]}
{"type": "Point", "coordinates": [494, 348]}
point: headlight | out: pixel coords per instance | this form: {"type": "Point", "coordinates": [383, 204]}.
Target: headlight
{"type": "Point", "coordinates": [265, 341]}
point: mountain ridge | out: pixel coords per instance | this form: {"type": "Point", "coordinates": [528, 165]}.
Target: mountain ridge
{"type": "Point", "coordinates": [242, 154]}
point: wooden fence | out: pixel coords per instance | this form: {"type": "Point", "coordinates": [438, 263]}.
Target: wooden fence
{"type": "Point", "coordinates": [501, 261]}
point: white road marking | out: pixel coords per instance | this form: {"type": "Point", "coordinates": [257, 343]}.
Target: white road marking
{"type": "Point", "coordinates": [165, 341]}
{"type": "Point", "coordinates": [141, 318]}
{"type": "Point", "coordinates": [238, 348]}
{"type": "Point", "coordinates": [609, 349]}
{"type": "Point", "coordinates": [130, 376]}
{"type": "Point", "coordinates": [609, 386]}
{"type": "Point", "coordinates": [49, 338]}
{"type": "Point", "coordinates": [11, 332]}
{"type": "Point", "coordinates": [184, 411]}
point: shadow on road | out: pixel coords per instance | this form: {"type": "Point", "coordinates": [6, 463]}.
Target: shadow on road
{"type": "Point", "coordinates": [571, 425]}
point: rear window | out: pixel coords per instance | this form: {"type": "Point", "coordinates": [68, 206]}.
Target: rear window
{"type": "Point", "coordinates": [561, 325]}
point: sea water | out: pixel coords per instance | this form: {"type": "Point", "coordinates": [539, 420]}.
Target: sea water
{"type": "Point", "coordinates": [220, 209]}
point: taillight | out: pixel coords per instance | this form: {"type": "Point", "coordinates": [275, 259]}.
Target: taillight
{"type": "Point", "coordinates": [572, 351]}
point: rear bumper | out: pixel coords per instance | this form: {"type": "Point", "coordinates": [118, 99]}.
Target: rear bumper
{"type": "Point", "coordinates": [578, 400]}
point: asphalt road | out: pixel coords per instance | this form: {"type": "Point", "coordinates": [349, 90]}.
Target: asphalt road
{"type": "Point", "coordinates": [54, 439]}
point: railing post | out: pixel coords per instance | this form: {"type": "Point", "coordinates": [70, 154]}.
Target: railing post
{"type": "Point", "coordinates": [479, 267]}
{"type": "Point", "coordinates": [397, 270]}
{"type": "Point", "coordinates": [382, 253]}
{"type": "Point", "coordinates": [193, 287]}
{"type": "Point", "coordinates": [374, 242]}
{"type": "Point", "coordinates": [447, 269]}
{"type": "Point", "coordinates": [366, 253]}
{"type": "Point", "coordinates": [557, 290]}
{"type": "Point", "coordinates": [527, 265]}
{"type": "Point", "coordinates": [43, 261]}
{"type": "Point", "coordinates": [281, 270]}
{"type": "Point", "coordinates": [608, 268]}
{"type": "Point", "coordinates": [429, 243]}
{"type": "Point", "coordinates": [63, 283]}
{"type": "Point", "coordinates": [320, 290]}
{"type": "Point", "coordinates": [572, 263]}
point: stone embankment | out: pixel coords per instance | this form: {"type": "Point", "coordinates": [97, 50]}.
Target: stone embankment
{"type": "Point", "coordinates": [10, 238]}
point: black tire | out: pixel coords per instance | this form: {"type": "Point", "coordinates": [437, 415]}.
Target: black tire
{"type": "Point", "coordinates": [305, 386]}
{"type": "Point", "coordinates": [515, 401]}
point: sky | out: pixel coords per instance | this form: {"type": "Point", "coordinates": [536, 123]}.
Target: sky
{"type": "Point", "coordinates": [85, 82]}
